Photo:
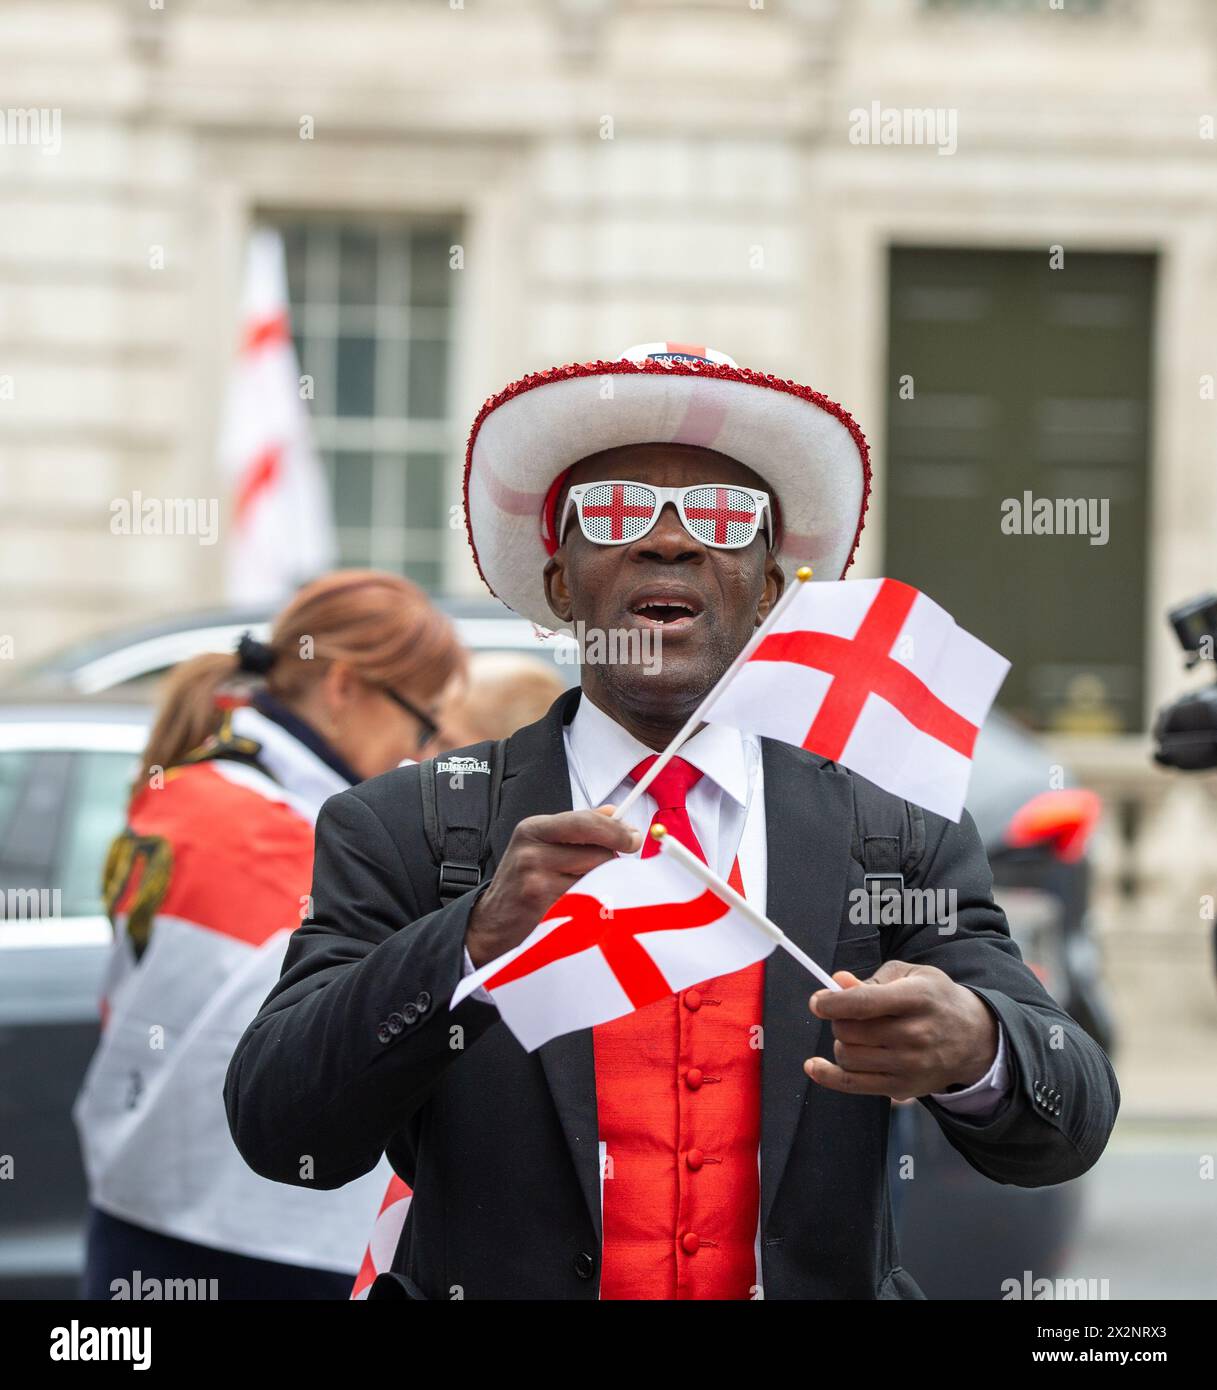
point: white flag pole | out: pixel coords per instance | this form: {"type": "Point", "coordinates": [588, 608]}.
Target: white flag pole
{"type": "Point", "coordinates": [690, 725]}
{"type": "Point", "coordinates": [672, 847]}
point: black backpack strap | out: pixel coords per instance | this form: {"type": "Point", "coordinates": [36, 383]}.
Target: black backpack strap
{"type": "Point", "coordinates": [888, 838]}
{"type": "Point", "coordinates": [460, 792]}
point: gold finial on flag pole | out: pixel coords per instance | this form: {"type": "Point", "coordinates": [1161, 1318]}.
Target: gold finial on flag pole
{"type": "Point", "coordinates": [804, 574]}
{"type": "Point", "coordinates": [658, 832]}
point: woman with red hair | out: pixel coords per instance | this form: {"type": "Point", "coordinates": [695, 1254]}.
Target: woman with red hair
{"type": "Point", "coordinates": [204, 886]}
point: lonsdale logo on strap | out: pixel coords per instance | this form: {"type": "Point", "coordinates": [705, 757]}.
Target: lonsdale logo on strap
{"type": "Point", "coordinates": [462, 765]}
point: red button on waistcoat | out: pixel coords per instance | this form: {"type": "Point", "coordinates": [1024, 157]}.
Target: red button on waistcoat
{"type": "Point", "coordinates": [693, 1078]}
{"type": "Point", "coordinates": [694, 1159]}
{"type": "Point", "coordinates": [690, 1243]}
{"type": "Point", "coordinates": [692, 1000]}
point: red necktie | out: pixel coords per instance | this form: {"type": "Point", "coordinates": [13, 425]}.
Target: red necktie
{"type": "Point", "coordinates": [669, 790]}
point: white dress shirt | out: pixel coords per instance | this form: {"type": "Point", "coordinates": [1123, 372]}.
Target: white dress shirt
{"type": "Point", "coordinates": [727, 810]}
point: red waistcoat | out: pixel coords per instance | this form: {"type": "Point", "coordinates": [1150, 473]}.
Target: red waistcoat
{"type": "Point", "coordinates": [678, 1087]}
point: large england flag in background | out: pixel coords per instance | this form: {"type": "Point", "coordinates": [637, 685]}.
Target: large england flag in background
{"type": "Point", "coordinates": [281, 531]}
{"type": "Point", "coordinates": [876, 676]}
{"type": "Point", "coordinates": [627, 934]}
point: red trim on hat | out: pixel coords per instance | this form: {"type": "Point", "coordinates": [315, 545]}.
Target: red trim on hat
{"type": "Point", "coordinates": [693, 349]}
{"type": "Point", "coordinates": [714, 370]}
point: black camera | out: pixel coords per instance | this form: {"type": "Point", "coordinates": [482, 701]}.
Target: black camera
{"type": "Point", "coordinates": [1185, 731]}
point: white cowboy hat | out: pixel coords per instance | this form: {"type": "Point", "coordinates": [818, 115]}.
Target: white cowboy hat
{"type": "Point", "coordinates": [809, 451]}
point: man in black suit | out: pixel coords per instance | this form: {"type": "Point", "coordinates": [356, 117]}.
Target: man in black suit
{"type": "Point", "coordinates": [742, 1128]}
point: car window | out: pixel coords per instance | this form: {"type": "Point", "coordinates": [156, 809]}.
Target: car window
{"type": "Point", "coordinates": [34, 782]}
{"type": "Point", "coordinates": [95, 813]}
{"type": "Point", "coordinates": [14, 770]}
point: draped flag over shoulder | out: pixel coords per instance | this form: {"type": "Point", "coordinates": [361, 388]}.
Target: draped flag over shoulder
{"type": "Point", "coordinates": [627, 934]}
{"type": "Point", "coordinates": [280, 530]}
{"type": "Point", "coordinates": [874, 675]}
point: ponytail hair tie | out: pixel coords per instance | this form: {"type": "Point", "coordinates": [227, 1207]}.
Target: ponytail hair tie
{"type": "Point", "coordinates": [253, 656]}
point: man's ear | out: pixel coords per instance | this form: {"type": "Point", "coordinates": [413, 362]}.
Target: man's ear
{"type": "Point", "coordinates": [557, 594]}
{"type": "Point", "coordinates": [775, 584]}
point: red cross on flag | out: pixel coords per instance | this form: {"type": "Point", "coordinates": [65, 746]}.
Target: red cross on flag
{"type": "Point", "coordinates": [630, 932]}
{"type": "Point", "coordinates": [874, 675]}
{"type": "Point", "coordinates": [280, 529]}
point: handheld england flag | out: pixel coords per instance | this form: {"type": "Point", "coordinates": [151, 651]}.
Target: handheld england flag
{"type": "Point", "coordinates": [873, 675]}
{"type": "Point", "coordinates": [386, 1233]}
{"type": "Point", "coordinates": [629, 933]}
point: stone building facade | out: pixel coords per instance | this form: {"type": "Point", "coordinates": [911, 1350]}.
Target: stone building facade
{"type": "Point", "coordinates": [603, 172]}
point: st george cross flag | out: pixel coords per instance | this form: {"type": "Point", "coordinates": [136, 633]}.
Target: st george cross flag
{"type": "Point", "coordinates": [630, 932]}
{"type": "Point", "coordinates": [280, 530]}
{"type": "Point", "coordinates": [386, 1233]}
{"type": "Point", "coordinates": [873, 675]}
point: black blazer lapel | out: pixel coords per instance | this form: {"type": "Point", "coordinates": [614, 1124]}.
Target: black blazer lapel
{"type": "Point", "coordinates": [809, 827]}
{"type": "Point", "coordinates": [536, 782]}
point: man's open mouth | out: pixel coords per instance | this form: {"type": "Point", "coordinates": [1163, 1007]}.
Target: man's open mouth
{"type": "Point", "coordinates": [666, 610]}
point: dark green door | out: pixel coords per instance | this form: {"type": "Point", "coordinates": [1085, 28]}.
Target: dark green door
{"type": "Point", "coordinates": [1007, 378]}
